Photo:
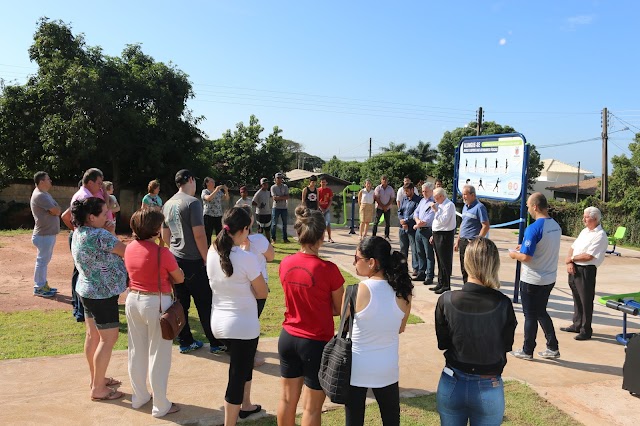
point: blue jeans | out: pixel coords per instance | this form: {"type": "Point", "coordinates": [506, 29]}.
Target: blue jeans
{"type": "Point", "coordinates": [283, 213]}
{"type": "Point", "coordinates": [44, 244]}
{"type": "Point", "coordinates": [470, 397]}
{"type": "Point", "coordinates": [534, 308]}
{"type": "Point", "coordinates": [408, 239]}
{"type": "Point", "coordinates": [426, 257]}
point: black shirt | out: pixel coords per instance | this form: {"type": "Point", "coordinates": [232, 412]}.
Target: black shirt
{"type": "Point", "coordinates": [475, 326]}
{"type": "Point", "coordinates": [311, 198]}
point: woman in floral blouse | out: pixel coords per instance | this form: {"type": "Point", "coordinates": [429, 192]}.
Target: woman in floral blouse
{"type": "Point", "coordinates": [97, 255]}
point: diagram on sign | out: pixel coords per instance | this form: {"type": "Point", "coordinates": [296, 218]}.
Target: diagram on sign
{"type": "Point", "coordinates": [492, 165]}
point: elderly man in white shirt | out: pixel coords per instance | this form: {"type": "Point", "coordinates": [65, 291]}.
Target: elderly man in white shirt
{"type": "Point", "coordinates": [443, 230]}
{"type": "Point", "coordinates": [585, 255]}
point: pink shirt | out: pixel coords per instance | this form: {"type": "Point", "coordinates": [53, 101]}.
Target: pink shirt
{"type": "Point", "coordinates": [141, 261]}
{"type": "Point", "coordinates": [83, 193]}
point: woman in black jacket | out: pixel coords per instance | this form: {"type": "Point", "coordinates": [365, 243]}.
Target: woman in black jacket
{"type": "Point", "coordinates": [475, 326]}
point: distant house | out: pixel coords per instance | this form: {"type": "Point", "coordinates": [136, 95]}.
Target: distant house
{"type": "Point", "coordinates": [296, 176]}
{"type": "Point", "coordinates": [556, 173]}
{"type": "Point", "coordinates": [567, 192]}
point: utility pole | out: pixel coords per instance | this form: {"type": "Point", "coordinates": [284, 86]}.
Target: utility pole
{"type": "Point", "coordinates": [578, 184]}
{"type": "Point", "coordinates": [369, 147]}
{"type": "Point", "coordinates": [605, 155]}
{"type": "Point", "coordinates": [479, 121]}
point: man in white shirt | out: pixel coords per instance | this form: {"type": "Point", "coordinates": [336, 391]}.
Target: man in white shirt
{"type": "Point", "coordinates": [585, 255]}
{"type": "Point", "coordinates": [444, 228]}
{"type": "Point", "coordinates": [400, 196]}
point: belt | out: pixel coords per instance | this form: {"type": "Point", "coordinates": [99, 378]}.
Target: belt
{"type": "Point", "coordinates": [150, 293]}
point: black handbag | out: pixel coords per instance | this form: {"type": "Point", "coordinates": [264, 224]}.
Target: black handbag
{"type": "Point", "coordinates": [335, 366]}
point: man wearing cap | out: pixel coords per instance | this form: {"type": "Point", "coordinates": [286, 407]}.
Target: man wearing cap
{"type": "Point", "coordinates": [183, 229]}
{"type": "Point", "coordinates": [280, 194]}
{"type": "Point", "coordinates": [244, 199]}
{"type": "Point", "coordinates": [262, 200]}
{"type": "Point", "coordinates": [475, 223]}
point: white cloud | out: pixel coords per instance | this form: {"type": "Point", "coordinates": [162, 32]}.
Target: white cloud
{"type": "Point", "coordinates": [502, 41]}
{"type": "Point", "coordinates": [574, 21]}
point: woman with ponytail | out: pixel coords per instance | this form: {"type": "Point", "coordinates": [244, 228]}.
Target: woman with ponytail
{"type": "Point", "coordinates": [382, 310]}
{"type": "Point", "coordinates": [313, 294]}
{"type": "Point", "coordinates": [236, 282]}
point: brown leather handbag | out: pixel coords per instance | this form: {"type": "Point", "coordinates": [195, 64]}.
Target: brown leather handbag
{"type": "Point", "coordinates": [172, 320]}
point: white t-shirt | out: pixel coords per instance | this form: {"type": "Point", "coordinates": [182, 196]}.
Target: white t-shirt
{"type": "Point", "coordinates": [376, 338]}
{"type": "Point", "coordinates": [259, 246]}
{"type": "Point", "coordinates": [593, 242]}
{"type": "Point", "coordinates": [367, 197]}
{"type": "Point", "coordinates": [234, 313]}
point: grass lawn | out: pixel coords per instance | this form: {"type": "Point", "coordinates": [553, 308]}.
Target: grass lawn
{"type": "Point", "coordinates": [523, 407]}
{"type": "Point", "coordinates": [28, 334]}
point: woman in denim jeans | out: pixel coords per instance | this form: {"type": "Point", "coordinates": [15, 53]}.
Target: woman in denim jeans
{"type": "Point", "coordinates": [475, 326]}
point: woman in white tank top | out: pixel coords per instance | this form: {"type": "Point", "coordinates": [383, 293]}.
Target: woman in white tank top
{"type": "Point", "coordinates": [382, 309]}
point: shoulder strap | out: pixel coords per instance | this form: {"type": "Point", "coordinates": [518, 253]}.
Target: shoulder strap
{"type": "Point", "coordinates": [350, 303]}
{"type": "Point", "coordinates": [159, 287]}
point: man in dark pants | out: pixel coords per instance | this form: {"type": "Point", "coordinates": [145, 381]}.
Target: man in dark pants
{"type": "Point", "coordinates": [407, 231]}
{"type": "Point", "coordinates": [444, 228]}
{"type": "Point", "coordinates": [383, 196]}
{"type": "Point", "coordinates": [183, 229]}
{"type": "Point", "coordinates": [475, 223]}
{"type": "Point", "coordinates": [539, 256]}
{"type": "Point", "coordinates": [424, 219]}
{"type": "Point", "coordinates": [585, 255]}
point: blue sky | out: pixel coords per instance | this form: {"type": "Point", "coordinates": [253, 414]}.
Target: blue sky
{"type": "Point", "coordinates": [333, 74]}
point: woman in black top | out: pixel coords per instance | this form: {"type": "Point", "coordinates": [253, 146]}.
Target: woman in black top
{"type": "Point", "coordinates": [475, 326]}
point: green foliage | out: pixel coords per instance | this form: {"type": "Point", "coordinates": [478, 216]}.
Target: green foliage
{"type": "Point", "coordinates": [347, 170]}
{"type": "Point", "coordinates": [126, 115]}
{"type": "Point", "coordinates": [243, 157]}
{"type": "Point", "coordinates": [443, 168]}
{"type": "Point", "coordinates": [624, 182]}
{"type": "Point", "coordinates": [301, 159]}
{"type": "Point", "coordinates": [395, 165]}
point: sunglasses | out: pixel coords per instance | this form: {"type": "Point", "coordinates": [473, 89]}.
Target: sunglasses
{"type": "Point", "coordinates": [356, 258]}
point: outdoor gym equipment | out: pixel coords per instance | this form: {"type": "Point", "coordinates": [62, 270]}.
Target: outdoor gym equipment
{"type": "Point", "coordinates": [353, 189]}
{"type": "Point", "coordinates": [628, 304]}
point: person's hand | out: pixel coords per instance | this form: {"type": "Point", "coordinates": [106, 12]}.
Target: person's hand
{"type": "Point", "coordinates": [110, 226]}
{"type": "Point", "coordinates": [455, 246]}
{"type": "Point", "coordinates": [518, 247]}
{"type": "Point", "coordinates": [434, 207]}
{"type": "Point", "coordinates": [415, 226]}
{"type": "Point", "coordinates": [405, 227]}
{"type": "Point", "coordinates": [512, 254]}
{"type": "Point", "coordinates": [571, 268]}
{"type": "Point", "coordinates": [431, 240]}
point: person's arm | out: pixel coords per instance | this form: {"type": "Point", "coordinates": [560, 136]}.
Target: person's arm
{"type": "Point", "coordinates": [200, 237]}
{"type": "Point", "coordinates": [259, 287]}
{"type": "Point", "coordinates": [119, 248]}
{"type": "Point", "coordinates": [456, 245]}
{"type": "Point", "coordinates": [485, 229]}
{"type": "Point", "coordinates": [520, 256]}
{"type": "Point", "coordinates": [177, 276]}
{"type": "Point", "coordinates": [66, 219]}
{"type": "Point", "coordinates": [270, 254]}
{"type": "Point", "coordinates": [55, 211]}
{"type": "Point", "coordinates": [336, 300]}
{"type": "Point", "coordinates": [208, 197]}
{"type": "Point", "coordinates": [443, 333]}
{"type": "Point", "coordinates": [406, 315]}
{"type": "Point", "coordinates": [571, 267]}
{"type": "Point", "coordinates": [509, 330]}
{"type": "Point", "coordinates": [226, 192]}
{"type": "Point", "coordinates": [165, 235]}
{"type": "Point", "coordinates": [360, 198]}
{"type": "Point", "coordinates": [304, 196]}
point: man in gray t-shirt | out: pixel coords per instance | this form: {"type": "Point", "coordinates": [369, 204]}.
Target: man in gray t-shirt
{"type": "Point", "coordinates": [262, 201]}
{"type": "Point", "coordinates": [183, 229]}
{"type": "Point", "coordinates": [280, 194]}
{"type": "Point", "coordinates": [46, 213]}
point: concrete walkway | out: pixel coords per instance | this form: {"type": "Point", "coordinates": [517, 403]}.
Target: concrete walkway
{"type": "Point", "coordinates": [585, 382]}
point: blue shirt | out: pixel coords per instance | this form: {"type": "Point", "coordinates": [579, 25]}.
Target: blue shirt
{"type": "Point", "coordinates": [424, 211]}
{"type": "Point", "coordinates": [406, 210]}
{"type": "Point", "coordinates": [472, 218]}
{"type": "Point", "coordinates": [541, 242]}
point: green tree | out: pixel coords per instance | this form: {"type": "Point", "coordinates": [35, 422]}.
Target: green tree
{"type": "Point", "coordinates": [394, 147]}
{"type": "Point", "coordinates": [424, 152]}
{"type": "Point", "coordinates": [443, 168]}
{"type": "Point", "coordinates": [347, 170]}
{"type": "Point", "coordinates": [243, 157]}
{"type": "Point", "coordinates": [302, 160]}
{"type": "Point", "coordinates": [624, 182]}
{"type": "Point", "coordinates": [395, 165]}
{"type": "Point", "coordinates": [126, 115]}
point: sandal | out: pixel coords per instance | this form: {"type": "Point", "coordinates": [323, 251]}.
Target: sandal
{"type": "Point", "coordinates": [246, 413]}
{"type": "Point", "coordinates": [174, 408]}
{"type": "Point", "coordinates": [113, 383]}
{"type": "Point", "coordinates": [114, 394]}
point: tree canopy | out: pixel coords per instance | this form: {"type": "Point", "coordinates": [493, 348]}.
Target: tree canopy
{"type": "Point", "coordinates": [126, 115]}
{"type": "Point", "coordinates": [624, 182]}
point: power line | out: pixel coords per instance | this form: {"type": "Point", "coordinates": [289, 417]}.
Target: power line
{"type": "Point", "coordinates": [624, 122]}
{"type": "Point", "coordinates": [577, 142]}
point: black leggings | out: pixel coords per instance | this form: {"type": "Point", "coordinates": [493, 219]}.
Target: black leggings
{"type": "Point", "coordinates": [212, 223]}
{"type": "Point", "coordinates": [241, 354]}
{"type": "Point", "coordinates": [388, 399]}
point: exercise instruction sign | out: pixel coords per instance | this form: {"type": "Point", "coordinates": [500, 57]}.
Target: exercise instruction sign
{"type": "Point", "coordinates": [493, 165]}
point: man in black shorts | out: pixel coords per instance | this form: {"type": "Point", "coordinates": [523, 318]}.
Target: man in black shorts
{"type": "Point", "coordinates": [262, 202]}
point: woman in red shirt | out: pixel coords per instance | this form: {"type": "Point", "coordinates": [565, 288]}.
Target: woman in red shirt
{"type": "Point", "coordinates": [313, 295]}
{"type": "Point", "coordinates": [149, 266]}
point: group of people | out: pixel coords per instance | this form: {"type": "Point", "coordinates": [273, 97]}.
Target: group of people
{"type": "Point", "coordinates": [227, 280]}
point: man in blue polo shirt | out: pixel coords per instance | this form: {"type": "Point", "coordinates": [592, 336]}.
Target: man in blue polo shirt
{"type": "Point", "coordinates": [475, 223]}
{"type": "Point", "coordinates": [539, 256]}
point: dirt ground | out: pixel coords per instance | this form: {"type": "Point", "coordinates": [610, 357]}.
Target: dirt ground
{"type": "Point", "coordinates": [17, 260]}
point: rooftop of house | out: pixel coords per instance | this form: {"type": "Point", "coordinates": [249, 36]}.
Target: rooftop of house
{"type": "Point", "coordinates": [587, 187]}
{"type": "Point", "coordinates": [557, 166]}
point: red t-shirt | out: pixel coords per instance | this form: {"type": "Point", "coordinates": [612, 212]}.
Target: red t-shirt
{"type": "Point", "coordinates": [325, 196]}
{"type": "Point", "coordinates": [141, 261]}
{"type": "Point", "coordinates": [308, 282]}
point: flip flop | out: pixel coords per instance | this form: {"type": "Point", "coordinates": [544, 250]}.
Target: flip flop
{"type": "Point", "coordinates": [246, 413]}
{"type": "Point", "coordinates": [111, 382]}
{"type": "Point", "coordinates": [174, 408]}
{"type": "Point", "coordinates": [114, 394]}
